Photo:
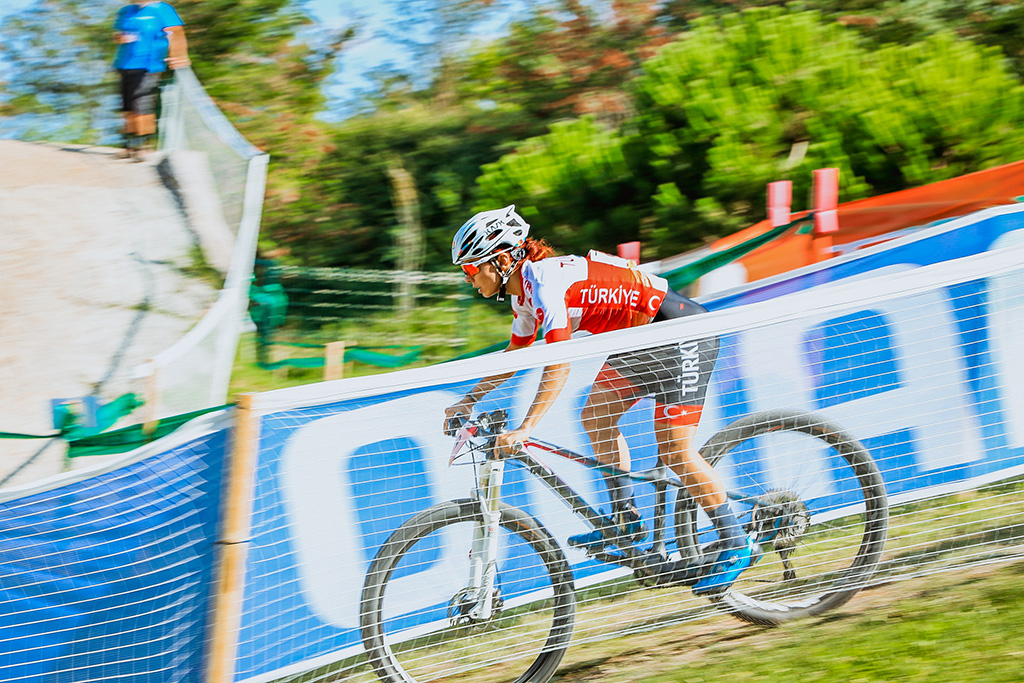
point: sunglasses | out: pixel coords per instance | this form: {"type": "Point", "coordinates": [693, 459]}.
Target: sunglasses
{"type": "Point", "coordinates": [470, 269]}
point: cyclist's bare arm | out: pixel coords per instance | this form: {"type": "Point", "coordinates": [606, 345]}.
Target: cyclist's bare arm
{"type": "Point", "coordinates": [551, 382]}
{"type": "Point", "coordinates": [481, 389]}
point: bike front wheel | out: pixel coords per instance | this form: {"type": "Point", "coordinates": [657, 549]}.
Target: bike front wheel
{"type": "Point", "coordinates": [816, 502]}
{"type": "Point", "coordinates": [417, 609]}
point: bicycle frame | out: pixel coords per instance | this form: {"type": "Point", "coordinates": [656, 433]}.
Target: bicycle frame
{"type": "Point", "coordinates": [490, 474]}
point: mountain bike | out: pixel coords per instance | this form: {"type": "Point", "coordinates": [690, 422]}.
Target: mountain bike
{"type": "Point", "coordinates": [512, 597]}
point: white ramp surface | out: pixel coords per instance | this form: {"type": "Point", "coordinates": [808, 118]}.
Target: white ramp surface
{"type": "Point", "coordinates": [92, 252]}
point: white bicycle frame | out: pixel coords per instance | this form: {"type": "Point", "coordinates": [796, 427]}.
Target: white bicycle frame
{"type": "Point", "coordinates": [484, 554]}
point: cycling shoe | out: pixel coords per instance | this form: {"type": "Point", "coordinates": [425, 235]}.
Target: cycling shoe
{"type": "Point", "coordinates": [625, 529]}
{"type": "Point", "coordinates": [726, 568]}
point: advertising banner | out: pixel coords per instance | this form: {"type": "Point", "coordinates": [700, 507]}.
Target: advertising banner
{"type": "Point", "coordinates": [106, 571]}
{"type": "Point", "coordinates": [952, 239]}
{"type": "Point", "coordinates": [917, 365]}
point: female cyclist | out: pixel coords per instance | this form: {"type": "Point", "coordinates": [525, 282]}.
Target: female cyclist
{"type": "Point", "coordinates": [599, 293]}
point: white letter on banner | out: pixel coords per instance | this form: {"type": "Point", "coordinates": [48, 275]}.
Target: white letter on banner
{"type": "Point", "coordinates": [1006, 330]}
{"type": "Point", "coordinates": [330, 556]}
{"type": "Point", "coordinates": [932, 398]}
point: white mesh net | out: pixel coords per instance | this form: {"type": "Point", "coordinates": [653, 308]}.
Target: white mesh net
{"type": "Point", "coordinates": [221, 180]}
{"type": "Point", "coordinates": [862, 432]}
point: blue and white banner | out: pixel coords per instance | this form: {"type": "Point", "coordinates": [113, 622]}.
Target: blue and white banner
{"type": "Point", "coordinates": [105, 573]}
{"type": "Point", "coordinates": [918, 365]}
{"type": "Point", "coordinates": [948, 240]}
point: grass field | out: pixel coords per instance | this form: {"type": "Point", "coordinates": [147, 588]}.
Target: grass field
{"type": "Point", "coordinates": [950, 627]}
{"type": "Point", "coordinates": [947, 608]}
{"type": "Point", "coordinates": [963, 625]}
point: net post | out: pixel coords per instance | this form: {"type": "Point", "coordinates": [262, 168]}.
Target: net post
{"type": "Point", "coordinates": [826, 215]}
{"type": "Point", "coordinates": [151, 404]}
{"type": "Point", "coordinates": [334, 360]}
{"type": "Point", "coordinates": [780, 199]}
{"type": "Point", "coordinates": [236, 512]}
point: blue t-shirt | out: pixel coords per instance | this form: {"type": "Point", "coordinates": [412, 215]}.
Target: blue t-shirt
{"type": "Point", "coordinates": [146, 24]}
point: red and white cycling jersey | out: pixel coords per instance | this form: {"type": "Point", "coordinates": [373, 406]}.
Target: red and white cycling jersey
{"type": "Point", "coordinates": [599, 293]}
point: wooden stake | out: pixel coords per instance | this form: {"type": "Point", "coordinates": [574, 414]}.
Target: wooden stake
{"type": "Point", "coordinates": [150, 409]}
{"type": "Point", "coordinates": [236, 513]}
{"type": "Point", "coordinates": [334, 360]}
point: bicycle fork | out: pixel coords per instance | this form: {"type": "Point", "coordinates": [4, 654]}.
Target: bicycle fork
{"type": "Point", "coordinates": [483, 560]}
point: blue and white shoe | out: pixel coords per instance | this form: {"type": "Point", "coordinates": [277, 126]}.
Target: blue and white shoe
{"type": "Point", "coordinates": [727, 567]}
{"type": "Point", "coordinates": [625, 528]}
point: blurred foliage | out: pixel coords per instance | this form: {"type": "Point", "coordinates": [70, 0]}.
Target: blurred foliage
{"type": "Point", "coordinates": [262, 61]}
{"type": "Point", "coordinates": [604, 122]}
{"type": "Point", "coordinates": [769, 95]}
{"type": "Point", "coordinates": [57, 55]}
{"type": "Point", "coordinates": [997, 23]}
{"type": "Point", "coordinates": [757, 96]}
{"type": "Point", "coordinates": [575, 183]}
{"type": "Point", "coordinates": [566, 59]}
{"type": "Point", "coordinates": [441, 147]}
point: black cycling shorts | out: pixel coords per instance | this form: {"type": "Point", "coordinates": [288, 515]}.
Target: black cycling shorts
{"type": "Point", "coordinates": [676, 375]}
{"type": "Point", "coordinates": [138, 91]}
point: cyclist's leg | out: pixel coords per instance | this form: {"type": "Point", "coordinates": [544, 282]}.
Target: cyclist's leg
{"type": "Point", "coordinates": [735, 551]}
{"type": "Point", "coordinates": [600, 416]}
{"type": "Point", "coordinates": [679, 394]}
{"type": "Point", "coordinates": [610, 397]}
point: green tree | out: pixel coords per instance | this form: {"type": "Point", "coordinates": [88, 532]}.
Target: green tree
{"type": "Point", "coordinates": [564, 59]}
{"type": "Point", "coordinates": [57, 55]}
{"type": "Point", "coordinates": [262, 61]}
{"type": "Point", "coordinates": [352, 218]}
{"type": "Point", "coordinates": [759, 96]}
{"type": "Point", "coordinates": [767, 95]}
{"type": "Point", "coordinates": [576, 181]}
{"type": "Point", "coordinates": [997, 23]}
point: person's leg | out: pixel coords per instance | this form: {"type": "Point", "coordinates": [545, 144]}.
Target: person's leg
{"type": "Point", "coordinates": [145, 107]}
{"type": "Point", "coordinates": [675, 448]}
{"type": "Point", "coordinates": [145, 124]}
{"type": "Point", "coordinates": [600, 417]}
{"type": "Point", "coordinates": [130, 79]}
{"type": "Point", "coordinates": [679, 395]}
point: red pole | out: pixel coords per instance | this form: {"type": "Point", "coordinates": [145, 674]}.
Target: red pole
{"type": "Point", "coordinates": [630, 250]}
{"type": "Point", "coordinates": [780, 199]}
{"type": "Point", "coordinates": [826, 217]}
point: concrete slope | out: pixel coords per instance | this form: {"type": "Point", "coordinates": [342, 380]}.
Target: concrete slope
{"type": "Point", "coordinates": [92, 252]}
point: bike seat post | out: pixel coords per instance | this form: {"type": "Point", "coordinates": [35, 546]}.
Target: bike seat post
{"type": "Point", "coordinates": [686, 527]}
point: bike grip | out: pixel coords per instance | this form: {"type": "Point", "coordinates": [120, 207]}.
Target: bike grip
{"type": "Point", "coordinates": [453, 424]}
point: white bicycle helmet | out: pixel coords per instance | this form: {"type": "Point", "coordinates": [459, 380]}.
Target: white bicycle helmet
{"type": "Point", "coordinates": [488, 234]}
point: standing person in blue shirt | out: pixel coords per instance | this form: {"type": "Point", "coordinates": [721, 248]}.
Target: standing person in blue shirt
{"type": "Point", "coordinates": [150, 37]}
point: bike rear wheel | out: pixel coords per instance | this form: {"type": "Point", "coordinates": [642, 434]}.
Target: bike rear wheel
{"type": "Point", "coordinates": [815, 498]}
{"type": "Point", "coordinates": [415, 609]}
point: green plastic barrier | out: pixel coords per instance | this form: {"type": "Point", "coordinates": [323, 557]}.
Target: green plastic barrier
{"type": "Point", "coordinates": [128, 438]}
{"type": "Point", "coordinates": [679, 278]}
{"type": "Point", "coordinates": [353, 353]}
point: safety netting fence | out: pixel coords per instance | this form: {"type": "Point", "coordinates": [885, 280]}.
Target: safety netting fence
{"type": "Point", "coordinates": [385, 320]}
{"type": "Point", "coordinates": [221, 179]}
{"type": "Point", "coordinates": [859, 432]}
